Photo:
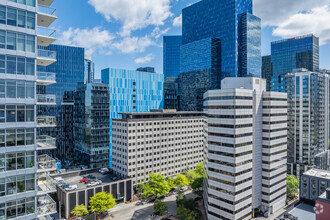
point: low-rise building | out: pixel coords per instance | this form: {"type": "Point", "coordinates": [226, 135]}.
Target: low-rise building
{"type": "Point", "coordinates": [163, 141]}
{"type": "Point", "coordinates": [322, 206]}
{"type": "Point", "coordinates": [313, 183]}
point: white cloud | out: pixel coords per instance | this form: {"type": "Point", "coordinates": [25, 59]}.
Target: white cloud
{"type": "Point", "coordinates": [92, 40]}
{"type": "Point", "coordinates": [145, 59]}
{"type": "Point", "coordinates": [157, 33]}
{"type": "Point", "coordinates": [275, 12]}
{"type": "Point", "coordinates": [133, 44]}
{"type": "Point", "coordinates": [316, 21]}
{"type": "Point", "coordinates": [177, 22]}
{"type": "Point", "coordinates": [133, 14]}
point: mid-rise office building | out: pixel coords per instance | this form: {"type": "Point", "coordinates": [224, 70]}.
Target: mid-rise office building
{"type": "Point", "coordinates": [164, 141]}
{"type": "Point", "coordinates": [132, 91]}
{"type": "Point", "coordinates": [290, 54]}
{"type": "Point", "coordinates": [24, 175]}
{"type": "Point", "coordinates": [171, 90]}
{"type": "Point", "coordinates": [267, 70]}
{"type": "Point", "coordinates": [322, 160]}
{"type": "Point", "coordinates": [308, 118]}
{"type": "Point", "coordinates": [220, 38]}
{"type": "Point", "coordinates": [322, 206]}
{"type": "Point", "coordinates": [91, 118]}
{"type": "Point", "coordinates": [313, 183]}
{"type": "Point", "coordinates": [89, 76]}
{"type": "Point", "coordinates": [245, 156]}
{"type": "Point", "coordinates": [171, 55]}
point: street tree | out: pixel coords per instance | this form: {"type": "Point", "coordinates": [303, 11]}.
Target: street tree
{"type": "Point", "coordinates": [159, 206]}
{"type": "Point", "coordinates": [157, 186]}
{"type": "Point", "coordinates": [181, 180]}
{"type": "Point", "coordinates": [79, 210]}
{"type": "Point", "coordinates": [197, 186]}
{"type": "Point", "coordinates": [101, 202]}
{"type": "Point", "coordinates": [292, 186]}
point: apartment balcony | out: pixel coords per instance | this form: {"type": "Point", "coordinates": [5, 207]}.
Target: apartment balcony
{"type": "Point", "coordinates": [46, 121]}
{"type": "Point", "coordinates": [45, 142]}
{"type": "Point", "coordinates": [46, 164]}
{"type": "Point", "coordinates": [46, 206]}
{"type": "Point", "coordinates": [45, 78]}
{"type": "Point", "coordinates": [46, 57]}
{"type": "Point", "coordinates": [46, 99]}
{"type": "Point", "coordinates": [45, 184]}
{"type": "Point", "coordinates": [45, 36]}
{"type": "Point", "coordinates": [45, 3]}
{"type": "Point", "coordinates": [46, 16]}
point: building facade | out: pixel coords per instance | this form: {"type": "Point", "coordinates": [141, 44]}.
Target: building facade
{"type": "Point", "coordinates": [245, 156]}
{"type": "Point", "coordinates": [164, 141]}
{"type": "Point", "coordinates": [171, 55]}
{"type": "Point", "coordinates": [24, 174]}
{"type": "Point", "coordinates": [290, 54]}
{"type": "Point", "coordinates": [313, 183]}
{"type": "Point", "coordinates": [322, 206]}
{"type": "Point", "coordinates": [89, 71]}
{"type": "Point", "coordinates": [267, 70]}
{"type": "Point", "coordinates": [171, 92]}
{"type": "Point", "coordinates": [308, 118]}
{"type": "Point", "coordinates": [147, 69]}
{"type": "Point", "coordinates": [91, 118]}
{"type": "Point", "coordinates": [132, 91]}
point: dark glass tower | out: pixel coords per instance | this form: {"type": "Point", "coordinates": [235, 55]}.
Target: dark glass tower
{"type": "Point", "coordinates": [267, 70]}
{"type": "Point", "coordinates": [69, 69]}
{"type": "Point", "coordinates": [290, 54]}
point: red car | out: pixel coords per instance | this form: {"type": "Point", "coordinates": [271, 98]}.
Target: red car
{"type": "Point", "coordinates": [84, 180]}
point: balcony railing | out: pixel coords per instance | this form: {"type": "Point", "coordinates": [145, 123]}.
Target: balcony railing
{"type": "Point", "coordinates": [45, 142]}
{"type": "Point", "coordinates": [46, 77]}
{"type": "Point", "coordinates": [46, 163]}
{"type": "Point", "coordinates": [46, 121]}
{"type": "Point", "coordinates": [46, 205]}
{"type": "Point", "coordinates": [47, 10]}
{"type": "Point", "coordinates": [46, 99]}
{"type": "Point", "coordinates": [47, 54]}
{"type": "Point", "coordinates": [47, 32]}
{"type": "Point", "coordinates": [45, 184]}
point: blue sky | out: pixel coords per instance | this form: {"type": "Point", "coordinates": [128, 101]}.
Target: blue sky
{"type": "Point", "coordinates": [128, 34]}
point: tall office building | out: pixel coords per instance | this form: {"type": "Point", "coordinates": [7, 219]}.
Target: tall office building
{"type": "Point", "coordinates": [163, 141]}
{"type": "Point", "coordinates": [69, 69]}
{"type": "Point", "coordinates": [171, 89]}
{"type": "Point", "coordinates": [91, 124]}
{"type": "Point", "coordinates": [308, 118]}
{"type": "Point", "coordinates": [24, 175]}
{"type": "Point", "coordinates": [132, 91]}
{"type": "Point", "coordinates": [171, 55]}
{"type": "Point", "coordinates": [267, 70]}
{"type": "Point", "coordinates": [220, 38]}
{"type": "Point", "coordinates": [89, 71]}
{"type": "Point", "coordinates": [290, 54]}
{"type": "Point", "coordinates": [245, 156]}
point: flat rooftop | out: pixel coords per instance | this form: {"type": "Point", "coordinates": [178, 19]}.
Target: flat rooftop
{"type": "Point", "coordinates": [73, 178]}
{"type": "Point", "coordinates": [160, 114]}
{"type": "Point", "coordinates": [318, 173]}
{"type": "Point", "coordinates": [304, 212]}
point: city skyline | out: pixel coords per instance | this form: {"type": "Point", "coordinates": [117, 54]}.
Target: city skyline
{"type": "Point", "coordinates": [142, 40]}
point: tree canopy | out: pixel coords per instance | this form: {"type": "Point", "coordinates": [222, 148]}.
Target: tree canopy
{"type": "Point", "coordinates": [197, 186]}
{"type": "Point", "coordinates": [79, 210]}
{"type": "Point", "coordinates": [292, 186]}
{"type": "Point", "coordinates": [181, 180]}
{"type": "Point", "coordinates": [157, 186]}
{"type": "Point", "coordinates": [159, 206]}
{"type": "Point", "coordinates": [101, 202]}
{"type": "Point", "coordinates": [200, 169]}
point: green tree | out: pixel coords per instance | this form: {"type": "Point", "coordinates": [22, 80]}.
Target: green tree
{"type": "Point", "coordinates": [140, 188]}
{"type": "Point", "coordinates": [181, 212]}
{"type": "Point", "coordinates": [192, 175]}
{"type": "Point", "coordinates": [186, 214]}
{"type": "Point", "coordinates": [292, 186]}
{"type": "Point", "coordinates": [197, 186]}
{"type": "Point", "coordinates": [181, 180]}
{"type": "Point", "coordinates": [79, 210]}
{"type": "Point", "coordinates": [159, 206]}
{"type": "Point", "coordinates": [200, 169]}
{"type": "Point", "coordinates": [101, 202]}
{"type": "Point", "coordinates": [171, 183]}
{"type": "Point", "coordinates": [157, 186]}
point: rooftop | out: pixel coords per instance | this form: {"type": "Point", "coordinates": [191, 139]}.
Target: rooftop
{"type": "Point", "coordinates": [158, 114]}
{"type": "Point", "coordinates": [304, 212]}
{"type": "Point", "coordinates": [318, 173]}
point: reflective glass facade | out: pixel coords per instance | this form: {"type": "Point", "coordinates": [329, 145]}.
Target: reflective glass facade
{"type": "Point", "coordinates": [267, 70]}
{"type": "Point", "coordinates": [171, 88]}
{"type": "Point", "coordinates": [132, 91]}
{"type": "Point", "coordinates": [171, 55]}
{"type": "Point", "coordinates": [290, 54]}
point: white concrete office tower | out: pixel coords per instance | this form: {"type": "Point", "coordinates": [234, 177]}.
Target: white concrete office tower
{"type": "Point", "coordinates": [245, 156]}
{"type": "Point", "coordinates": [308, 118]}
{"type": "Point", "coordinates": [24, 176]}
{"type": "Point", "coordinates": [163, 141]}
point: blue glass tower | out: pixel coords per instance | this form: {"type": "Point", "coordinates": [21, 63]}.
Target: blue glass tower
{"type": "Point", "coordinates": [290, 54]}
{"type": "Point", "coordinates": [69, 69]}
{"type": "Point", "coordinates": [132, 91]}
{"type": "Point", "coordinates": [171, 55]}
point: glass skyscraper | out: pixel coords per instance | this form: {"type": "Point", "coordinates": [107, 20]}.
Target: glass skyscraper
{"type": "Point", "coordinates": [24, 175]}
{"type": "Point", "coordinates": [290, 54]}
{"type": "Point", "coordinates": [171, 55]}
{"type": "Point", "coordinates": [89, 71]}
{"type": "Point", "coordinates": [132, 91]}
{"type": "Point", "coordinates": [221, 38]}
{"type": "Point", "coordinates": [267, 70]}
{"type": "Point", "coordinates": [70, 70]}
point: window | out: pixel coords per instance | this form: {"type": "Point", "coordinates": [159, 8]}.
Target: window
{"type": "Point", "coordinates": [2, 15]}
{"type": "Point", "coordinates": [16, 41]}
{"type": "Point", "coordinates": [2, 39]}
{"type": "Point", "coordinates": [11, 16]}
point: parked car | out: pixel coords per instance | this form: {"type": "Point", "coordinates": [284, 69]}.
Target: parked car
{"type": "Point", "coordinates": [104, 171]}
{"type": "Point", "coordinates": [58, 179]}
{"type": "Point", "coordinates": [85, 179]}
{"type": "Point", "coordinates": [90, 177]}
{"type": "Point", "coordinates": [139, 203]}
{"type": "Point", "coordinates": [70, 188]}
{"type": "Point", "coordinates": [89, 181]}
{"type": "Point", "coordinates": [183, 189]}
{"type": "Point", "coordinates": [65, 185]}
{"type": "Point", "coordinates": [92, 184]}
